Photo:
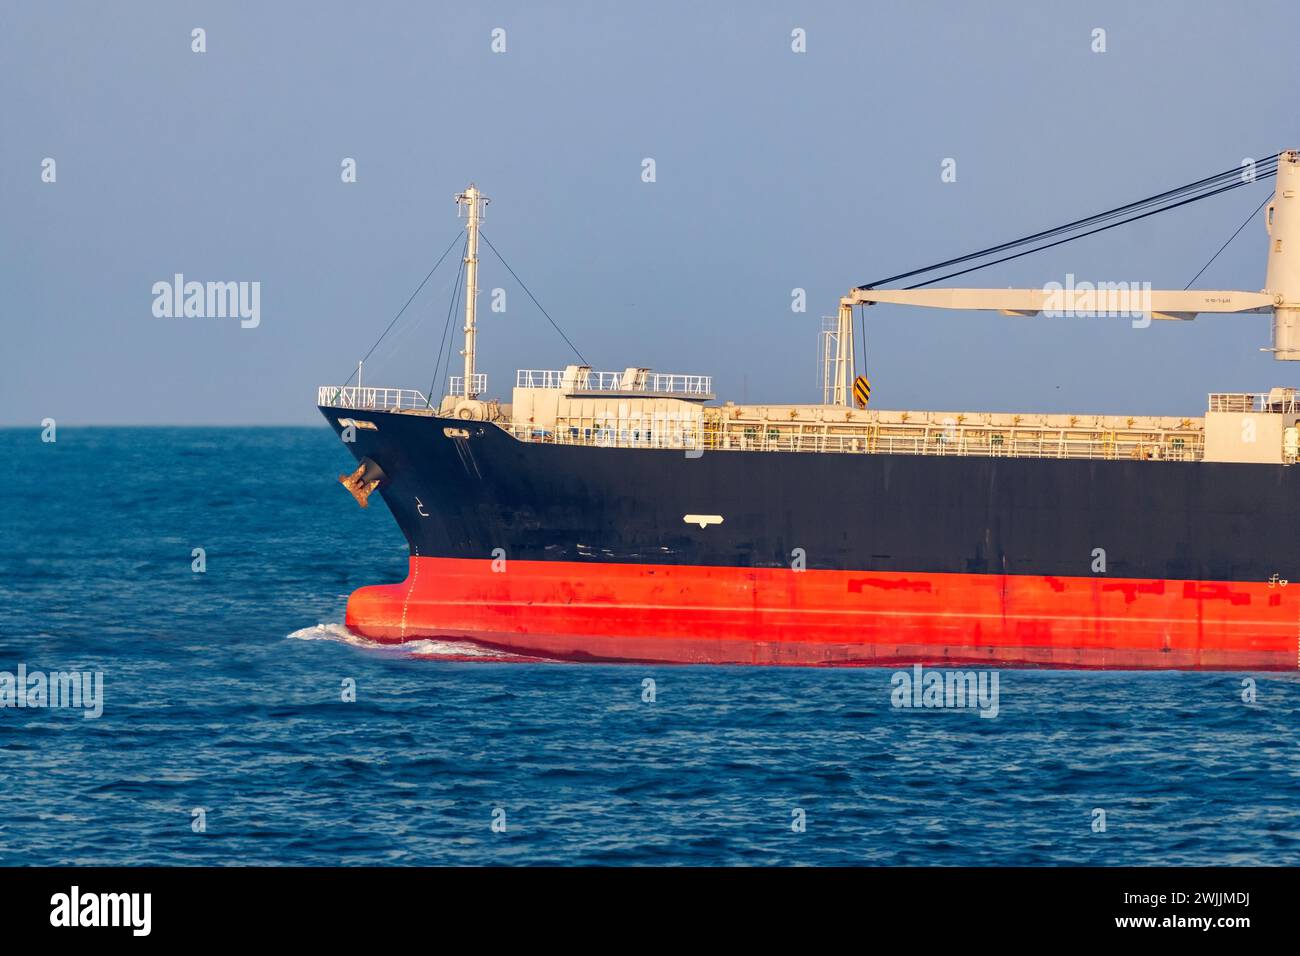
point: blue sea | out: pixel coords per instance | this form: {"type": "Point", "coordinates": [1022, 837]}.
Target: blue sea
{"type": "Point", "coordinates": [225, 737]}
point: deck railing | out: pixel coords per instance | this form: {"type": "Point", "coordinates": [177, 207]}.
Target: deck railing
{"type": "Point", "coordinates": [456, 384]}
{"type": "Point", "coordinates": [586, 380]}
{"type": "Point", "coordinates": [1278, 401]}
{"type": "Point", "coordinates": [379, 399]}
{"type": "Point", "coordinates": [1188, 446]}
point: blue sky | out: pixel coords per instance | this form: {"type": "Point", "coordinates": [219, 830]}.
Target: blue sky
{"type": "Point", "coordinates": [774, 170]}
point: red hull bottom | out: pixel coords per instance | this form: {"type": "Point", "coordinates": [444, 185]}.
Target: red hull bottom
{"type": "Point", "coordinates": [716, 615]}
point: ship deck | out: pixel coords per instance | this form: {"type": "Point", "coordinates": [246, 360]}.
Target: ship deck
{"type": "Point", "coordinates": [835, 429]}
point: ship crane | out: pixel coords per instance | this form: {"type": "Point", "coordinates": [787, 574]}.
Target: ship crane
{"type": "Point", "coordinates": [1280, 295]}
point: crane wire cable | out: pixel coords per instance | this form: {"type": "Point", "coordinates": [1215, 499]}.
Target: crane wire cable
{"type": "Point", "coordinates": [1229, 242]}
{"type": "Point", "coordinates": [1200, 189]}
{"type": "Point", "coordinates": [1122, 222]}
{"type": "Point", "coordinates": [1269, 163]}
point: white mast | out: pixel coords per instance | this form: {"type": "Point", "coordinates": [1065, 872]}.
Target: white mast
{"type": "Point", "coordinates": [1283, 277]}
{"type": "Point", "coordinates": [476, 203]}
{"type": "Point", "coordinates": [845, 369]}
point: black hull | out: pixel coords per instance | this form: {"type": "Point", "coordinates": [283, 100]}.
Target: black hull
{"type": "Point", "coordinates": [464, 497]}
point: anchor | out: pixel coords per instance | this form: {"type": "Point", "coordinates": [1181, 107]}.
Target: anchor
{"type": "Point", "coordinates": [363, 481]}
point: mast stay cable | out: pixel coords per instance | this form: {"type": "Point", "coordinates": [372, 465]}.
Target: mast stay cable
{"type": "Point", "coordinates": [444, 340]}
{"type": "Point", "coordinates": [400, 311]}
{"type": "Point", "coordinates": [494, 249]}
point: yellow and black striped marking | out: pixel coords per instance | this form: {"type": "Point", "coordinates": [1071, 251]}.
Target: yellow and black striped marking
{"type": "Point", "coordinates": [861, 391]}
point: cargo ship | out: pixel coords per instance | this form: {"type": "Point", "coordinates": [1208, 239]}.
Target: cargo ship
{"type": "Point", "coordinates": [629, 515]}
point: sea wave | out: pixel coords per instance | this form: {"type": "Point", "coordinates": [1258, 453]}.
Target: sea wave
{"type": "Point", "coordinates": [423, 648]}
